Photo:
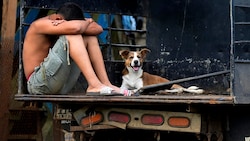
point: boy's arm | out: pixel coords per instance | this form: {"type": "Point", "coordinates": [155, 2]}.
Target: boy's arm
{"type": "Point", "coordinates": [93, 29]}
{"type": "Point", "coordinates": [60, 27]}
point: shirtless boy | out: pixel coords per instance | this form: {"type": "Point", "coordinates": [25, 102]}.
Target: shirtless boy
{"type": "Point", "coordinates": [58, 47]}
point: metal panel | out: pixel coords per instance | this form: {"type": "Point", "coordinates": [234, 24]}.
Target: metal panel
{"type": "Point", "coordinates": [135, 7]}
{"type": "Point", "coordinates": [135, 114]}
{"type": "Point", "coordinates": [187, 38]}
{"type": "Point", "coordinates": [241, 82]}
{"type": "Point", "coordinates": [241, 50]}
{"type": "Point", "coordinates": [190, 38]}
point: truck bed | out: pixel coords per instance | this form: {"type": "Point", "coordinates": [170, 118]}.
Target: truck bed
{"type": "Point", "coordinates": [141, 99]}
{"type": "Point", "coordinates": [151, 94]}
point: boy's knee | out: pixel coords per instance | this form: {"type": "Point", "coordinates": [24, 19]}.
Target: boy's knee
{"type": "Point", "coordinates": [90, 38]}
{"type": "Point", "coordinates": [73, 37]}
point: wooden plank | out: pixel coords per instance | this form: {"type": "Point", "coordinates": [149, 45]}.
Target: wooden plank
{"type": "Point", "coordinates": [6, 58]}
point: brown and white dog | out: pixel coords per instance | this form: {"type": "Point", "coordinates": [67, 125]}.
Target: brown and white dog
{"type": "Point", "coordinates": [134, 77]}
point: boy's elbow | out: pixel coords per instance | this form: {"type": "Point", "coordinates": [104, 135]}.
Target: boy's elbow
{"type": "Point", "coordinates": [101, 29]}
{"type": "Point", "coordinates": [98, 30]}
{"type": "Point", "coordinates": [94, 30]}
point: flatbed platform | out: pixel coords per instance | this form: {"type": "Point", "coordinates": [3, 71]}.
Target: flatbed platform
{"type": "Point", "coordinates": [145, 99]}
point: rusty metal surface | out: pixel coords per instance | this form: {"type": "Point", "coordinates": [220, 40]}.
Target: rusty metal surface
{"type": "Point", "coordinates": [135, 7]}
{"type": "Point", "coordinates": [25, 123]}
{"type": "Point", "coordinates": [94, 127]}
{"type": "Point", "coordinates": [188, 39]}
{"type": "Point", "coordinates": [142, 99]}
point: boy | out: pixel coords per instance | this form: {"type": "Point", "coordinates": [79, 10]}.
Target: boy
{"type": "Point", "coordinates": [60, 46]}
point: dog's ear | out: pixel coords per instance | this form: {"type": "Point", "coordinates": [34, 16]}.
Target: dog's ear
{"type": "Point", "coordinates": [124, 54]}
{"type": "Point", "coordinates": [144, 52]}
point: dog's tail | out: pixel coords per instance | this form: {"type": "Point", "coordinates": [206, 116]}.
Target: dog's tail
{"type": "Point", "coordinates": [191, 89]}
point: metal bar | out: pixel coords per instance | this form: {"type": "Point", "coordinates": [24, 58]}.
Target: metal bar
{"type": "Point", "coordinates": [137, 100]}
{"type": "Point", "coordinates": [20, 68]}
{"type": "Point", "coordinates": [242, 23]}
{"type": "Point", "coordinates": [123, 45]}
{"type": "Point", "coordinates": [127, 45]}
{"type": "Point", "coordinates": [232, 37]}
{"type": "Point", "coordinates": [94, 127]}
{"type": "Point", "coordinates": [36, 7]}
{"type": "Point", "coordinates": [125, 30]}
{"type": "Point", "coordinates": [242, 61]}
{"type": "Point", "coordinates": [82, 96]}
{"type": "Point", "coordinates": [242, 41]}
{"type": "Point", "coordinates": [109, 50]}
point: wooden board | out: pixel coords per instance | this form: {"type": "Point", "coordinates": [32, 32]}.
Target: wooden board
{"type": "Point", "coordinates": [6, 57]}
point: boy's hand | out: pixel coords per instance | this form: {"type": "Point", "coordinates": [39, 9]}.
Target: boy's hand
{"type": "Point", "coordinates": [90, 20]}
{"type": "Point", "coordinates": [57, 22]}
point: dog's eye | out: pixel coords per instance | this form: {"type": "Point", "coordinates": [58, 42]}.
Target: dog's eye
{"type": "Point", "coordinates": [131, 57]}
{"type": "Point", "coordinates": [138, 56]}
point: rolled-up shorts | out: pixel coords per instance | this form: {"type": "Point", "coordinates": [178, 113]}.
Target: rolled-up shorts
{"type": "Point", "coordinates": [57, 74]}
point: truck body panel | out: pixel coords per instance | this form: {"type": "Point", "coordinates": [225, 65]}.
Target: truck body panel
{"type": "Point", "coordinates": [192, 42]}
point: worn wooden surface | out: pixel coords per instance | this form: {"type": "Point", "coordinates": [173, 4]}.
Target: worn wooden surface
{"type": "Point", "coordinates": [6, 58]}
{"type": "Point", "coordinates": [142, 99]}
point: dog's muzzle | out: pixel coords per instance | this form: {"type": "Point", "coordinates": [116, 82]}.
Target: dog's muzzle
{"type": "Point", "coordinates": [135, 65]}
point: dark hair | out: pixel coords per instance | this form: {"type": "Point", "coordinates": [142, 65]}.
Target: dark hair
{"type": "Point", "coordinates": [71, 11]}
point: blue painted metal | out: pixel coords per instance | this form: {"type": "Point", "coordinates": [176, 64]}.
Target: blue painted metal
{"type": "Point", "coordinates": [103, 21]}
{"type": "Point", "coordinates": [30, 17]}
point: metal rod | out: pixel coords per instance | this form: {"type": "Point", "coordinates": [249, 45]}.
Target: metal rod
{"type": "Point", "coordinates": [232, 43]}
{"type": "Point", "coordinates": [109, 50]}
{"type": "Point", "coordinates": [20, 67]}
{"type": "Point", "coordinates": [125, 30]}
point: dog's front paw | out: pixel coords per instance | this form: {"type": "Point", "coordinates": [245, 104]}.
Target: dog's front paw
{"type": "Point", "coordinates": [126, 92]}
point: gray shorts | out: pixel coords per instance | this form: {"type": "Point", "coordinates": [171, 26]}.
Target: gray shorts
{"type": "Point", "coordinates": [57, 74]}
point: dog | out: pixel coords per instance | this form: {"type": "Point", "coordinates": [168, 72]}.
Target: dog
{"type": "Point", "coordinates": [134, 78]}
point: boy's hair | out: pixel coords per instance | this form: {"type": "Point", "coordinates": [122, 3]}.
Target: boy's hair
{"type": "Point", "coordinates": [71, 11]}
